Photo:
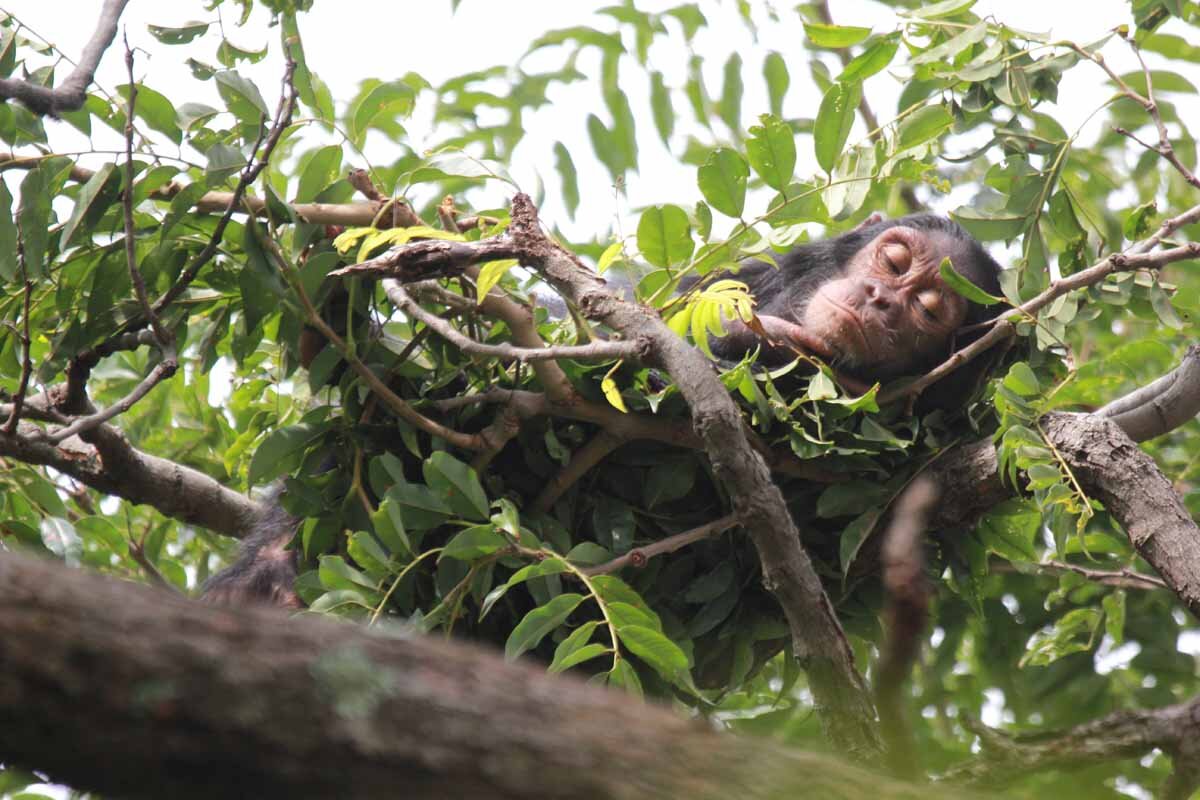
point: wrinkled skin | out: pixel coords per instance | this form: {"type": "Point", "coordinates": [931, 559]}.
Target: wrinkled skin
{"type": "Point", "coordinates": [875, 310]}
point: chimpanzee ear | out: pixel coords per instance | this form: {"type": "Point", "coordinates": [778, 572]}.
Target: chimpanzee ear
{"type": "Point", "coordinates": [874, 218]}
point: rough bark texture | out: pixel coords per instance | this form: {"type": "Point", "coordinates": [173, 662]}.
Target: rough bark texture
{"type": "Point", "coordinates": [1109, 467]}
{"type": "Point", "coordinates": [119, 688]}
{"type": "Point", "coordinates": [1123, 734]}
{"type": "Point", "coordinates": [1114, 470]}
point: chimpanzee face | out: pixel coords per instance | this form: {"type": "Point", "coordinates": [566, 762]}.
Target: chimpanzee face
{"type": "Point", "coordinates": [889, 311]}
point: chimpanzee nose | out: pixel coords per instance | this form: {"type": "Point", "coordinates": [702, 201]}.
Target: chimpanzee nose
{"type": "Point", "coordinates": [878, 295]}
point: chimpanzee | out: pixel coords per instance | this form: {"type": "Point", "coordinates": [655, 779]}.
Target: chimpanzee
{"type": "Point", "coordinates": [869, 302]}
{"type": "Point", "coordinates": [265, 570]}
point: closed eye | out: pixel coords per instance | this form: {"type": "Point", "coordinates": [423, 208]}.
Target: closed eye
{"type": "Point", "coordinates": [897, 256]}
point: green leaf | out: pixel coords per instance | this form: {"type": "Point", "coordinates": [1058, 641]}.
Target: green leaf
{"type": "Point", "coordinates": [655, 649]}
{"type": "Point", "coordinates": [279, 450]}
{"type": "Point", "coordinates": [1020, 379]}
{"type": "Point", "coordinates": [490, 274]}
{"type": "Point", "coordinates": [8, 236]}
{"type": "Point", "coordinates": [335, 573]}
{"type": "Point", "coordinates": [1160, 301]}
{"type": "Point", "coordinates": [537, 623]}
{"type": "Point", "coordinates": [775, 72]}
{"type": "Point", "coordinates": [624, 676]}
{"type": "Point", "coordinates": [473, 543]}
{"type": "Point", "coordinates": [948, 49]}
{"type": "Point", "coordinates": [988, 226]}
{"type": "Point", "coordinates": [722, 181]}
{"type": "Point", "coordinates": [1114, 615]}
{"type": "Point", "coordinates": [1010, 530]}
{"type": "Point", "coordinates": [850, 497]}
{"type": "Point", "coordinates": [394, 99]}
{"type": "Point", "coordinates": [664, 236]}
{"type": "Point", "coordinates": [771, 150]}
{"type": "Point", "coordinates": [870, 61]}
{"type": "Point", "coordinates": [570, 180]}
{"type": "Point", "coordinates": [961, 284]}
{"type": "Point", "coordinates": [927, 123]}
{"type": "Point", "coordinates": [610, 255]}
{"type": "Point", "coordinates": [835, 36]}
{"type": "Point", "coordinates": [223, 162]}
{"type": "Point", "coordinates": [835, 118]}
{"type": "Point", "coordinates": [660, 107]}
{"type": "Point", "coordinates": [946, 8]}
{"type": "Point", "coordinates": [242, 97]}
{"type": "Point", "coordinates": [458, 484]}
{"type": "Point", "coordinates": [86, 204]}
{"type": "Point", "coordinates": [730, 106]}
{"type": "Point", "coordinates": [624, 614]}
{"type": "Point", "coordinates": [854, 536]}
{"type": "Point", "coordinates": [33, 218]}
{"type": "Point", "coordinates": [156, 110]}
{"type": "Point", "coordinates": [575, 657]}
{"type": "Point", "coordinates": [322, 169]}
{"type": "Point", "coordinates": [571, 650]}
{"type": "Point", "coordinates": [178, 35]}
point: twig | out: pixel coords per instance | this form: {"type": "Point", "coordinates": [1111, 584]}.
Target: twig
{"type": "Point", "coordinates": [250, 173]}
{"type": "Point", "coordinates": [72, 92]}
{"type": "Point", "coordinates": [598, 351]}
{"type": "Point", "coordinates": [906, 614]}
{"type": "Point", "coordinates": [582, 461]}
{"type": "Point", "coordinates": [162, 370]}
{"type": "Point", "coordinates": [14, 416]}
{"type": "Point", "coordinates": [135, 275]}
{"type": "Point", "coordinates": [1002, 327]}
{"type": "Point", "coordinates": [1164, 147]}
{"type": "Point", "coordinates": [1124, 578]}
{"type": "Point", "coordinates": [137, 551]}
{"type": "Point", "coordinates": [638, 556]}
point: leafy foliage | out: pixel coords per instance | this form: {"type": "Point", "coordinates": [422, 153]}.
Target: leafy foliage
{"type": "Point", "coordinates": [406, 527]}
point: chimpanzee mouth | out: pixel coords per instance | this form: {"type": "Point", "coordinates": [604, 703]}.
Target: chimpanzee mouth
{"type": "Point", "coordinates": [851, 322]}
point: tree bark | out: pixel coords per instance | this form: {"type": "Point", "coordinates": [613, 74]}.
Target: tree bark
{"type": "Point", "coordinates": [119, 688]}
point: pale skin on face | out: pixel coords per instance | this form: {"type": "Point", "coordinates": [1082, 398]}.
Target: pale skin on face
{"type": "Point", "coordinates": [886, 313]}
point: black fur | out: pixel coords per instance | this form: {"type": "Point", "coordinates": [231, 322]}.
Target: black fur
{"type": "Point", "coordinates": [783, 290]}
{"type": "Point", "coordinates": [265, 570]}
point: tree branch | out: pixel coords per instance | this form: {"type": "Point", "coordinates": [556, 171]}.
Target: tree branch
{"type": "Point", "coordinates": [112, 466]}
{"type": "Point", "coordinates": [72, 92]}
{"type": "Point", "coordinates": [1161, 406]}
{"type": "Point", "coordinates": [1112, 469]}
{"type": "Point", "coordinates": [595, 351]}
{"type": "Point", "coordinates": [191, 697]}
{"type": "Point", "coordinates": [906, 614]}
{"type": "Point", "coordinates": [638, 556]}
{"type": "Point", "coordinates": [1123, 734]}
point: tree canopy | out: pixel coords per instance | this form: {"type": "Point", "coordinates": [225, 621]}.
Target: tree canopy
{"type": "Point", "coordinates": [499, 419]}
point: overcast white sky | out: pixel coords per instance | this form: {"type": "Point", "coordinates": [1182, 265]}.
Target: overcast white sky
{"type": "Point", "coordinates": [352, 39]}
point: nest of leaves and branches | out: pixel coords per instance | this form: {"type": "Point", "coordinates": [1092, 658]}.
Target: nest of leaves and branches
{"type": "Point", "coordinates": [509, 436]}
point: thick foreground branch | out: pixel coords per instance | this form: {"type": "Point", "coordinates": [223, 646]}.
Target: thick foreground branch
{"type": "Point", "coordinates": [120, 688]}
